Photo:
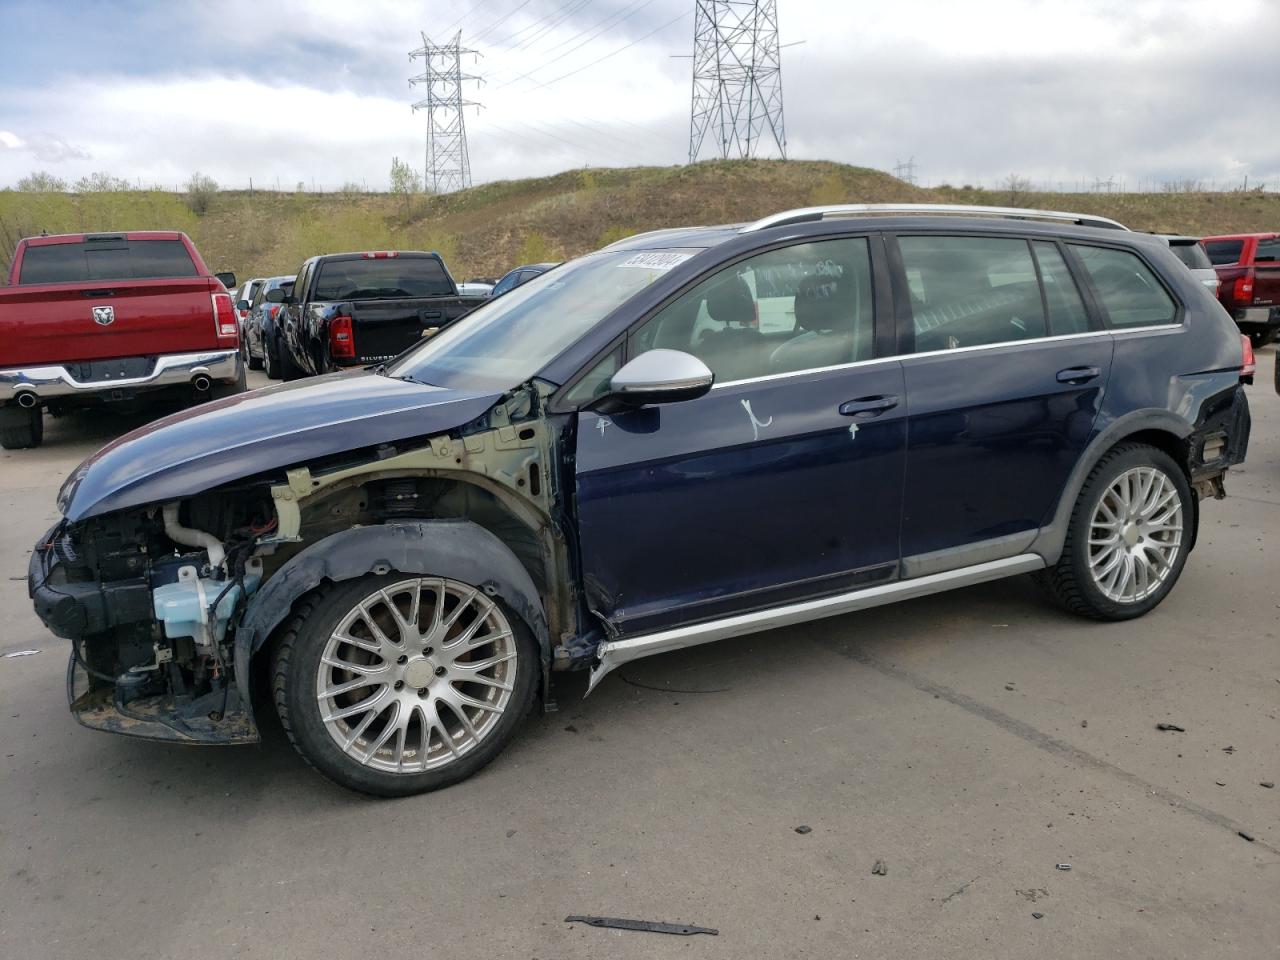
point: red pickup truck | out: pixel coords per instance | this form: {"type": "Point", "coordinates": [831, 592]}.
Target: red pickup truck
{"type": "Point", "coordinates": [115, 318]}
{"type": "Point", "coordinates": [1248, 268]}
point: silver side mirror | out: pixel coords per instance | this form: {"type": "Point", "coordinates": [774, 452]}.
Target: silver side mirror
{"type": "Point", "coordinates": [661, 376]}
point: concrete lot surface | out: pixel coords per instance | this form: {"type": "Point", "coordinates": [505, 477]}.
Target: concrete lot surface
{"type": "Point", "coordinates": [971, 741]}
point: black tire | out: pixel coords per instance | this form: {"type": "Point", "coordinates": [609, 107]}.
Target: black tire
{"type": "Point", "coordinates": [300, 645]}
{"type": "Point", "coordinates": [1070, 581]}
{"type": "Point", "coordinates": [250, 361]}
{"type": "Point", "coordinates": [270, 358]}
{"type": "Point", "coordinates": [21, 427]}
{"type": "Point", "coordinates": [288, 369]}
{"type": "Point", "coordinates": [219, 389]}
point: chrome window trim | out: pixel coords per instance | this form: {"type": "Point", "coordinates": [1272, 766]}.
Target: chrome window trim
{"type": "Point", "coordinates": [805, 372]}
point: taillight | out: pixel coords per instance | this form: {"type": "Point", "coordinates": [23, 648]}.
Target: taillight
{"type": "Point", "coordinates": [342, 342]}
{"type": "Point", "coordinates": [1248, 363]}
{"type": "Point", "coordinates": [224, 317]}
{"type": "Point", "coordinates": [273, 310]}
{"type": "Point", "coordinates": [1242, 291]}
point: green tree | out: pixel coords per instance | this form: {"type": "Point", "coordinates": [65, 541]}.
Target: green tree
{"type": "Point", "coordinates": [201, 190]}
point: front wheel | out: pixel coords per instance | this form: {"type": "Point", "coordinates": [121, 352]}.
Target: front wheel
{"type": "Point", "coordinates": [395, 685]}
{"type": "Point", "coordinates": [1129, 536]}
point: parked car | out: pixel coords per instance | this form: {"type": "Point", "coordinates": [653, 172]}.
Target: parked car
{"type": "Point", "coordinates": [1248, 267]}
{"type": "Point", "coordinates": [519, 275]}
{"type": "Point", "coordinates": [117, 318]}
{"type": "Point", "coordinates": [1192, 252]}
{"type": "Point", "coordinates": [611, 462]}
{"type": "Point", "coordinates": [243, 299]}
{"type": "Point", "coordinates": [475, 289]}
{"type": "Point", "coordinates": [259, 327]}
{"type": "Point", "coordinates": [353, 309]}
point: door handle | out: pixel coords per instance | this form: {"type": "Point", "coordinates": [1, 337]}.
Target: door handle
{"type": "Point", "coordinates": [1078, 374]}
{"type": "Point", "coordinates": [868, 406]}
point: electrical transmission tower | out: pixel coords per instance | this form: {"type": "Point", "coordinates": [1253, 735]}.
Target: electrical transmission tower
{"type": "Point", "coordinates": [737, 79]}
{"type": "Point", "coordinates": [448, 164]}
{"type": "Point", "coordinates": [906, 171]}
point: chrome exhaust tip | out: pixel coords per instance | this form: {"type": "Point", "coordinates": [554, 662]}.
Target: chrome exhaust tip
{"type": "Point", "coordinates": [201, 383]}
{"type": "Point", "coordinates": [27, 399]}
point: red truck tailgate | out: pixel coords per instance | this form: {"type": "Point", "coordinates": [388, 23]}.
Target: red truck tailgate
{"type": "Point", "coordinates": [58, 323]}
{"type": "Point", "coordinates": [1266, 267]}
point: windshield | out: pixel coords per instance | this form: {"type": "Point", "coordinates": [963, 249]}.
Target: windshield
{"type": "Point", "coordinates": [508, 340]}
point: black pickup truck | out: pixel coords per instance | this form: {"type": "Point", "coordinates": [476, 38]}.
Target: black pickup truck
{"type": "Point", "coordinates": [352, 309]}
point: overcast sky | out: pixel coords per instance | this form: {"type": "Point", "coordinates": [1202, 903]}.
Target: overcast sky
{"type": "Point", "coordinates": [151, 90]}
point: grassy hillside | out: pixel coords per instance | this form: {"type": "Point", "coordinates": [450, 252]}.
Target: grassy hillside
{"type": "Point", "coordinates": [487, 229]}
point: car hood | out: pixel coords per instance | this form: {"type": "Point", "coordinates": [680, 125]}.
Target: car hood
{"type": "Point", "coordinates": [268, 429]}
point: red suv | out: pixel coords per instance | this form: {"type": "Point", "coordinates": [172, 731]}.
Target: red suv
{"type": "Point", "coordinates": [1248, 266]}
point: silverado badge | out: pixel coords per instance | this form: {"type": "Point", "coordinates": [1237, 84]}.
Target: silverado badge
{"type": "Point", "coordinates": [104, 315]}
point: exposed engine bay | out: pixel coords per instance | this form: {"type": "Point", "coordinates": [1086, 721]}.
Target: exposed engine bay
{"type": "Point", "coordinates": [146, 597]}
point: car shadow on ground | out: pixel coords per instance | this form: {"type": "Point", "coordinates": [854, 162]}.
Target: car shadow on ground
{"type": "Point", "coordinates": [160, 775]}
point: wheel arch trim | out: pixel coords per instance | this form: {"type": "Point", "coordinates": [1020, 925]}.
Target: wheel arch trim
{"type": "Point", "coordinates": [459, 549]}
{"type": "Point", "coordinates": [1053, 535]}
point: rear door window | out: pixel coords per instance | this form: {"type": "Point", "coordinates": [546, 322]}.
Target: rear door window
{"type": "Point", "coordinates": [1224, 252]}
{"type": "Point", "coordinates": [1128, 290]}
{"type": "Point", "coordinates": [383, 278]}
{"type": "Point", "coordinates": [971, 291]}
{"type": "Point", "coordinates": [106, 260]}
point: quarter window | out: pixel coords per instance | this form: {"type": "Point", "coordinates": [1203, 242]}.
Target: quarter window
{"type": "Point", "coordinates": [1224, 252]}
{"type": "Point", "coordinates": [1066, 308]}
{"type": "Point", "coordinates": [1128, 290]}
{"type": "Point", "coordinates": [795, 308]}
{"type": "Point", "coordinates": [970, 291]}
{"type": "Point", "coordinates": [1268, 251]}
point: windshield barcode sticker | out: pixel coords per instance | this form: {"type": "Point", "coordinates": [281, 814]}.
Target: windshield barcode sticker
{"type": "Point", "coordinates": [659, 260]}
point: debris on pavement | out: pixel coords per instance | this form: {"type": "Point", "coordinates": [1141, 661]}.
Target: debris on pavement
{"type": "Point", "coordinates": [644, 926]}
{"type": "Point", "coordinates": [1008, 686]}
{"type": "Point", "coordinates": [1038, 916]}
{"type": "Point", "coordinates": [1084, 723]}
{"type": "Point", "coordinates": [1248, 836]}
{"type": "Point", "coordinates": [20, 653]}
{"type": "Point", "coordinates": [1171, 726]}
{"type": "Point", "coordinates": [1228, 749]}
{"type": "Point", "coordinates": [1221, 783]}
{"type": "Point", "coordinates": [804, 828]}
{"type": "Point", "coordinates": [1062, 866]}
{"type": "Point", "coordinates": [1266, 783]}
{"type": "Point", "coordinates": [881, 869]}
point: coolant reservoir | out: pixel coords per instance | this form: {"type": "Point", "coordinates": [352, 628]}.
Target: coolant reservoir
{"type": "Point", "coordinates": [183, 607]}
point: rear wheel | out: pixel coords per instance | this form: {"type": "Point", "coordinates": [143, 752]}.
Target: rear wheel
{"type": "Point", "coordinates": [1129, 536]}
{"type": "Point", "coordinates": [270, 357]}
{"type": "Point", "coordinates": [250, 361]}
{"type": "Point", "coordinates": [397, 685]}
{"type": "Point", "coordinates": [288, 369]}
{"type": "Point", "coordinates": [21, 427]}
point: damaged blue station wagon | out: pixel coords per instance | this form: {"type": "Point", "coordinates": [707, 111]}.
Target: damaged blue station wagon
{"type": "Point", "coordinates": [689, 435]}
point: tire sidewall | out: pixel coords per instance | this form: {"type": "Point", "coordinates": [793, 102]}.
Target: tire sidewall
{"type": "Point", "coordinates": [1082, 519]}
{"type": "Point", "coordinates": [312, 738]}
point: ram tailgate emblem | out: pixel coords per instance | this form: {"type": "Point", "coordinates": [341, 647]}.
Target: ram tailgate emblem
{"type": "Point", "coordinates": [104, 315]}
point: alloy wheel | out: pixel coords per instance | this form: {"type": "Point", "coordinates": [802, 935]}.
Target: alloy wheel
{"type": "Point", "coordinates": [416, 675]}
{"type": "Point", "coordinates": [1135, 535]}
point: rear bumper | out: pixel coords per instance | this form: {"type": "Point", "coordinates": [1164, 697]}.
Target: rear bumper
{"type": "Point", "coordinates": [176, 369]}
{"type": "Point", "coordinates": [1257, 319]}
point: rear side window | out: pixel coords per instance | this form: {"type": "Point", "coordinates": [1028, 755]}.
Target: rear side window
{"type": "Point", "coordinates": [1067, 313]}
{"type": "Point", "coordinates": [1224, 252]}
{"type": "Point", "coordinates": [1192, 254]}
{"type": "Point", "coordinates": [1268, 251]}
{"type": "Point", "coordinates": [1129, 291]}
{"type": "Point", "coordinates": [971, 291]}
{"type": "Point", "coordinates": [387, 278]}
{"type": "Point", "coordinates": [106, 260]}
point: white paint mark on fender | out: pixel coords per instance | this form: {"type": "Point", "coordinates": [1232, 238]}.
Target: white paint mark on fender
{"type": "Point", "coordinates": [602, 424]}
{"type": "Point", "coordinates": [853, 431]}
{"type": "Point", "coordinates": [755, 424]}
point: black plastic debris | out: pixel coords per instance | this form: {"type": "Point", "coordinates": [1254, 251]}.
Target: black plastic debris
{"type": "Point", "coordinates": [1248, 836]}
{"type": "Point", "coordinates": [881, 869]}
{"type": "Point", "coordinates": [1038, 916]}
{"type": "Point", "coordinates": [644, 926]}
{"type": "Point", "coordinates": [1171, 726]}
{"type": "Point", "coordinates": [1266, 783]}
{"type": "Point", "coordinates": [804, 828]}
{"type": "Point", "coordinates": [1084, 723]}
{"type": "Point", "coordinates": [1228, 749]}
